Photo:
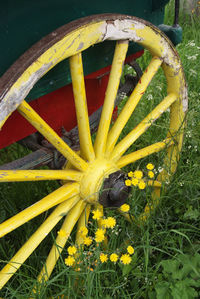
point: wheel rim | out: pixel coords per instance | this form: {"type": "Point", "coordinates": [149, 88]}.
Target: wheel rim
{"type": "Point", "coordinates": [94, 164]}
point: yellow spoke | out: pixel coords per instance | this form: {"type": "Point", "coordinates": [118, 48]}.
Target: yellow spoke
{"type": "Point", "coordinates": [130, 138]}
{"type": "Point", "coordinates": [132, 103]}
{"type": "Point", "coordinates": [154, 183]}
{"type": "Point", "coordinates": [63, 193]}
{"type": "Point", "coordinates": [32, 117]}
{"type": "Point", "coordinates": [60, 242]}
{"type": "Point", "coordinates": [39, 175]}
{"type": "Point", "coordinates": [27, 249]}
{"type": "Point", "coordinates": [111, 93]}
{"type": "Point", "coordinates": [76, 68]}
{"type": "Point", "coordinates": [83, 220]}
{"type": "Point", "coordinates": [144, 152]}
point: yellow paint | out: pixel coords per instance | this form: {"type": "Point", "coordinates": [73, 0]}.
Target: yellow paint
{"type": "Point", "coordinates": [26, 111]}
{"type": "Point", "coordinates": [110, 96]}
{"type": "Point", "coordinates": [125, 143]}
{"type": "Point", "coordinates": [93, 178]}
{"type": "Point", "coordinates": [70, 220]}
{"type": "Point", "coordinates": [27, 249]}
{"type": "Point", "coordinates": [51, 200]}
{"type": "Point", "coordinates": [39, 175]}
{"type": "Point", "coordinates": [77, 75]}
{"type": "Point", "coordinates": [132, 103]}
{"type": "Point", "coordinates": [144, 152]}
{"type": "Point", "coordinates": [74, 42]}
{"type": "Point", "coordinates": [95, 165]}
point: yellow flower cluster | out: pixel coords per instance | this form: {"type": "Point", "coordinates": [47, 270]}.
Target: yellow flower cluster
{"type": "Point", "coordinates": [70, 260]}
{"type": "Point", "coordinates": [124, 259]}
{"type": "Point", "coordinates": [100, 235]}
{"type": "Point", "coordinates": [136, 177]}
{"type": "Point", "coordinates": [109, 222]}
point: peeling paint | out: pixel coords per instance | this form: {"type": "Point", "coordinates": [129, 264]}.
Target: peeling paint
{"type": "Point", "coordinates": [185, 99]}
{"type": "Point", "coordinates": [80, 46]}
{"type": "Point", "coordinates": [168, 58]}
{"type": "Point", "coordinates": [18, 95]}
{"type": "Point", "coordinates": [121, 29]}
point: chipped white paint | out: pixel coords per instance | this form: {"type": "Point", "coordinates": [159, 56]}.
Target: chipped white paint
{"type": "Point", "coordinates": [185, 99]}
{"type": "Point", "coordinates": [167, 56]}
{"type": "Point", "coordinates": [122, 29]}
{"type": "Point", "coordinates": [18, 95]}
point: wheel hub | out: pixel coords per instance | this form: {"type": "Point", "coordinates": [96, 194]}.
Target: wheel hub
{"type": "Point", "coordinates": [93, 178]}
{"type": "Point", "coordinates": [104, 183]}
{"type": "Point", "coordinates": [115, 192]}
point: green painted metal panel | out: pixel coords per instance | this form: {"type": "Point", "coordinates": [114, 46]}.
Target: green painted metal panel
{"type": "Point", "coordinates": [23, 23]}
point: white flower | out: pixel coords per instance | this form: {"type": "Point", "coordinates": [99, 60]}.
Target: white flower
{"type": "Point", "coordinates": [191, 43]}
{"type": "Point", "coordinates": [193, 57]}
{"type": "Point", "coordinates": [193, 72]}
{"type": "Point", "coordinates": [149, 97]}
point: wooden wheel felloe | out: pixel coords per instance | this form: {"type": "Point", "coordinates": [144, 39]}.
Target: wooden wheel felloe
{"type": "Point", "coordinates": [86, 172]}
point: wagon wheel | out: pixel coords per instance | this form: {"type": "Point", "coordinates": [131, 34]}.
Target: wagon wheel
{"type": "Point", "coordinates": [85, 173]}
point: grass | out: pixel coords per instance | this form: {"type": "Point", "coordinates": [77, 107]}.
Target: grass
{"type": "Point", "coordinates": [166, 263]}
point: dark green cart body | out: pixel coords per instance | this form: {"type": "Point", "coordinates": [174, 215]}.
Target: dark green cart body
{"type": "Point", "coordinates": [23, 23]}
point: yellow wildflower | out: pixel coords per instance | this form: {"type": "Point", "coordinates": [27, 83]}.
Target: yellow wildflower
{"type": "Point", "coordinates": [125, 208]}
{"type": "Point", "coordinates": [69, 261]}
{"type": "Point", "coordinates": [62, 233]}
{"type": "Point", "coordinates": [102, 222]}
{"type": "Point", "coordinates": [128, 182]}
{"type": "Point", "coordinates": [147, 209]}
{"type": "Point", "coordinates": [135, 182]}
{"type": "Point", "coordinates": [130, 174]}
{"type": "Point", "coordinates": [110, 222]}
{"type": "Point", "coordinates": [83, 231]}
{"type": "Point", "coordinates": [150, 174]}
{"type": "Point", "coordinates": [138, 174]}
{"type": "Point", "coordinates": [150, 166]}
{"type": "Point", "coordinates": [130, 249]}
{"type": "Point", "coordinates": [103, 257]}
{"type": "Point", "coordinates": [99, 235]}
{"type": "Point", "coordinates": [71, 250]}
{"type": "Point", "coordinates": [87, 241]}
{"type": "Point", "coordinates": [125, 259]}
{"type": "Point", "coordinates": [97, 214]}
{"type": "Point", "coordinates": [114, 257]}
{"type": "Point", "coordinates": [141, 185]}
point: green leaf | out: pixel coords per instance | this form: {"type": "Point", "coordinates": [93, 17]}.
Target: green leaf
{"type": "Point", "coordinates": [181, 290]}
{"type": "Point", "coordinates": [192, 214]}
{"type": "Point", "coordinates": [126, 269]}
{"type": "Point", "coordinates": [162, 290]}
